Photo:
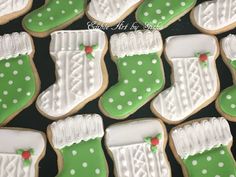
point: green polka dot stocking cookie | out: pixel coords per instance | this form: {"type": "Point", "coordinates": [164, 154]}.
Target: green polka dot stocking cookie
{"type": "Point", "coordinates": [203, 148]}
{"type": "Point", "coordinates": [226, 102]}
{"type": "Point", "coordinates": [160, 14]}
{"type": "Point", "coordinates": [77, 141]}
{"type": "Point", "coordinates": [18, 76]}
{"type": "Point", "coordinates": [137, 56]}
{"type": "Point", "coordinates": [54, 15]}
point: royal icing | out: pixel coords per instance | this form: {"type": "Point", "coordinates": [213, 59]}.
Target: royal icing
{"type": "Point", "coordinates": [10, 6]}
{"type": "Point", "coordinates": [79, 140]}
{"type": "Point", "coordinates": [14, 163]}
{"type": "Point", "coordinates": [140, 72]}
{"type": "Point", "coordinates": [160, 14]}
{"type": "Point", "coordinates": [202, 145]}
{"type": "Point", "coordinates": [195, 76]}
{"type": "Point", "coordinates": [133, 155]}
{"type": "Point", "coordinates": [53, 14]}
{"type": "Point", "coordinates": [215, 15]}
{"type": "Point", "coordinates": [78, 76]}
{"type": "Point", "coordinates": [17, 74]}
{"type": "Point", "coordinates": [110, 11]}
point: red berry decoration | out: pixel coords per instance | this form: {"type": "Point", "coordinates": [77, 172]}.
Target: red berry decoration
{"type": "Point", "coordinates": [26, 155]}
{"type": "Point", "coordinates": [154, 142]}
{"type": "Point", "coordinates": [203, 57]}
{"type": "Point", "coordinates": [88, 50]}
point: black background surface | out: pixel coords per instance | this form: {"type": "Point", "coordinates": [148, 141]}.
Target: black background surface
{"type": "Point", "coordinates": [31, 118]}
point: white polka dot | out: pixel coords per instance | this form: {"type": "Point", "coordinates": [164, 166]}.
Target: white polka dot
{"type": "Point", "coordinates": [146, 14]}
{"type": "Point", "coordinates": [133, 71]}
{"type": "Point", "coordinates": [154, 21]}
{"type": "Point", "coordinates": [91, 150]}
{"type": "Point", "coordinates": [217, 175]}
{"type": "Point", "coordinates": [97, 171]}
{"type": "Point", "coordinates": [57, 2]}
{"type": "Point", "coordinates": [0, 100]}
{"type": "Point", "coordinates": [84, 164]}
{"type": "Point", "coordinates": [130, 103]}
{"type": "Point", "coordinates": [167, 4]}
{"type": "Point", "coordinates": [49, 9]}
{"type": "Point", "coordinates": [182, 3]}
{"type": "Point", "coordinates": [63, 12]}
{"type": "Point", "coordinates": [119, 107]}
{"type": "Point", "coordinates": [171, 12]}
{"type": "Point", "coordinates": [233, 106]}
{"type": "Point", "coordinates": [70, 2]}
{"type": "Point", "coordinates": [76, 11]}
{"type": "Point", "coordinates": [15, 101]}
{"type": "Point", "coordinates": [72, 172]}
{"type": "Point", "coordinates": [134, 89]}
{"type": "Point", "coordinates": [74, 152]}
{"type": "Point", "coordinates": [140, 97]}
{"type": "Point", "coordinates": [10, 82]}
{"type": "Point", "coordinates": [126, 81]}
{"type": "Point", "coordinates": [40, 23]}
{"type": "Point", "coordinates": [15, 72]}
{"type": "Point", "coordinates": [124, 63]}
{"type": "Point", "coordinates": [7, 65]}
{"type": "Point", "coordinates": [220, 164]}
{"type": "Point", "coordinates": [19, 89]}
{"type": "Point", "coordinates": [148, 89]}
{"type": "Point", "coordinates": [30, 20]}
{"type": "Point", "coordinates": [163, 17]}
{"type": "Point", "coordinates": [158, 11]}
{"type": "Point", "coordinates": [194, 162]}
{"type": "Point", "coordinates": [204, 171]}
{"type": "Point", "coordinates": [154, 61]}
{"type": "Point", "coordinates": [27, 78]}
{"type": "Point", "coordinates": [5, 92]}
{"type": "Point", "coordinates": [228, 97]}
{"type": "Point", "coordinates": [111, 100]}
{"type": "Point", "coordinates": [209, 158]}
{"type": "Point", "coordinates": [149, 4]}
{"type": "Point", "coordinates": [140, 62]}
{"type": "Point", "coordinates": [28, 93]}
{"type": "Point", "coordinates": [222, 152]}
{"type": "Point", "coordinates": [149, 72]}
{"type": "Point", "coordinates": [122, 93]}
{"type": "Point", "coordinates": [40, 15]}
{"type": "Point", "coordinates": [4, 106]}
{"type": "Point", "coordinates": [51, 18]}
{"type": "Point", "coordinates": [1, 75]}
{"type": "Point", "coordinates": [158, 81]}
{"type": "Point", "coordinates": [231, 176]}
{"type": "Point", "coordinates": [20, 62]}
{"type": "Point", "coordinates": [140, 80]}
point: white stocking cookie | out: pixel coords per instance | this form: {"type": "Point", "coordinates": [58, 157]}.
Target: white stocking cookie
{"type": "Point", "coordinates": [202, 147]}
{"type": "Point", "coordinates": [138, 148]}
{"type": "Point", "coordinates": [11, 9]}
{"type": "Point", "coordinates": [20, 152]}
{"type": "Point", "coordinates": [81, 72]}
{"type": "Point", "coordinates": [196, 82]}
{"type": "Point", "coordinates": [111, 12]}
{"type": "Point", "coordinates": [215, 16]}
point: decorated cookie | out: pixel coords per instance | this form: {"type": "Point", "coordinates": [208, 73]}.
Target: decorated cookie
{"type": "Point", "coordinates": [54, 15]}
{"type": "Point", "coordinates": [226, 102]}
{"type": "Point", "coordinates": [80, 70]}
{"type": "Point", "coordinates": [77, 142]}
{"type": "Point", "coordinates": [195, 83]}
{"type": "Point", "coordinates": [159, 14]}
{"type": "Point", "coordinates": [137, 56]}
{"type": "Point", "coordinates": [20, 152]}
{"type": "Point", "coordinates": [215, 16]}
{"type": "Point", "coordinates": [11, 9]}
{"type": "Point", "coordinates": [202, 147]}
{"type": "Point", "coordinates": [19, 82]}
{"type": "Point", "coordinates": [111, 12]}
{"type": "Point", "coordinates": [138, 148]}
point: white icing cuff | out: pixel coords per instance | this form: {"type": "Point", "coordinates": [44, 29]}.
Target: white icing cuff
{"type": "Point", "coordinates": [73, 130]}
{"type": "Point", "coordinates": [200, 136]}
{"type": "Point", "coordinates": [186, 46]}
{"type": "Point", "coordinates": [71, 40]}
{"type": "Point", "coordinates": [133, 132]}
{"type": "Point", "coordinates": [15, 44]}
{"type": "Point", "coordinates": [11, 6]}
{"type": "Point", "coordinates": [229, 47]}
{"type": "Point", "coordinates": [136, 43]}
{"type": "Point", "coordinates": [13, 140]}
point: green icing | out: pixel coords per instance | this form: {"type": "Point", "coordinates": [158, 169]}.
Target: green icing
{"type": "Point", "coordinates": [233, 64]}
{"type": "Point", "coordinates": [18, 85]}
{"type": "Point", "coordinates": [227, 101]}
{"type": "Point", "coordinates": [160, 13]}
{"type": "Point", "coordinates": [217, 162]}
{"type": "Point", "coordinates": [140, 78]}
{"type": "Point", "coordinates": [53, 14]}
{"type": "Point", "coordinates": [85, 159]}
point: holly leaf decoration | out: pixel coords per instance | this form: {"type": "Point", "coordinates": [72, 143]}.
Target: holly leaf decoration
{"type": "Point", "coordinates": [90, 56]}
{"type": "Point", "coordinates": [148, 140]}
{"type": "Point", "coordinates": [81, 47]}
{"type": "Point", "coordinates": [159, 136]}
{"type": "Point", "coordinates": [27, 162]}
{"type": "Point", "coordinates": [31, 151]}
{"type": "Point", "coordinates": [95, 47]}
{"type": "Point", "coordinates": [154, 149]}
{"type": "Point", "coordinates": [20, 151]}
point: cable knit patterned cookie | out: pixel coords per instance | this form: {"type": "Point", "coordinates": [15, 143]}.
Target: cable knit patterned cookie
{"type": "Point", "coordinates": [215, 16]}
{"type": "Point", "coordinates": [111, 12]}
{"type": "Point", "coordinates": [202, 147]}
{"type": "Point", "coordinates": [80, 70]}
{"type": "Point", "coordinates": [11, 9]}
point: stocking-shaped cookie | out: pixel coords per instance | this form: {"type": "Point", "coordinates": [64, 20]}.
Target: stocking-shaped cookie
{"type": "Point", "coordinates": [77, 141]}
{"type": "Point", "coordinates": [11, 9]}
{"type": "Point", "coordinates": [138, 148]}
{"type": "Point", "coordinates": [20, 152]}
{"type": "Point", "coordinates": [215, 16]}
{"type": "Point", "coordinates": [202, 147]}
{"type": "Point", "coordinates": [18, 77]}
{"type": "Point", "coordinates": [137, 56]}
{"type": "Point", "coordinates": [195, 83]}
{"type": "Point", "coordinates": [80, 69]}
{"type": "Point", "coordinates": [160, 14]}
{"type": "Point", "coordinates": [226, 102]}
{"type": "Point", "coordinates": [54, 15]}
{"type": "Point", "coordinates": [111, 12]}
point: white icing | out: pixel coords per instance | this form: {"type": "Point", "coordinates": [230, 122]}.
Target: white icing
{"type": "Point", "coordinates": [75, 129]}
{"type": "Point", "coordinates": [215, 15]}
{"type": "Point", "coordinates": [132, 155]}
{"type": "Point", "coordinates": [15, 44]}
{"type": "Point", "coordinates": [229, 47]}
{"type": "Point", "coordinates": [136, 43]}
{"type": "Point", "coordinates": [109, 11]}
{"type": "Point", "coordinates": [11, 162]}
{"type": "Point", "coordinates": [11, 6]}
{"type": "Point", "coordinates": [194, 84]}
{"type": "Point", "coordinates": [200, 136]}
{"type": "Point", "coordinates": [78, 78]}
